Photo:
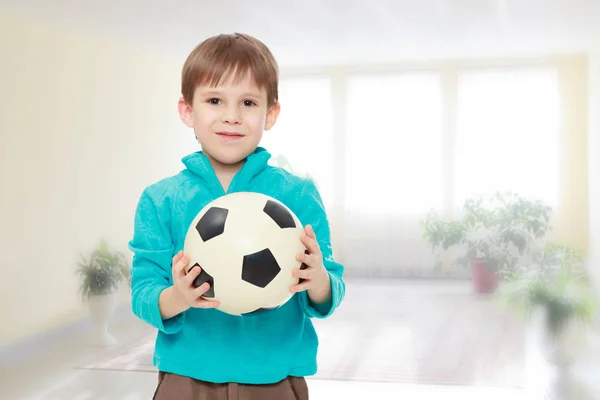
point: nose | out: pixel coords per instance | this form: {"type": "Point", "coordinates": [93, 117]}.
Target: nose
{"type": "Point", "coordinates": [232, 115]}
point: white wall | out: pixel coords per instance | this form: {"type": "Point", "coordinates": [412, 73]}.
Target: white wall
{"type": "Point", "coordinates": [594, 166]}
{"type": "Point", "coordinates": [85, 125]}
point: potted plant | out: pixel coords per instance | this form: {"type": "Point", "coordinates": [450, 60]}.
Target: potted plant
{"type": "Point", "coordinates": [101, 273]}
{"type": "Point", "coordinates": [551, 290]}
{"type": "Point", "coordinates": [553, 283]}
{"type": "Point", "coordinates": [491, 234]}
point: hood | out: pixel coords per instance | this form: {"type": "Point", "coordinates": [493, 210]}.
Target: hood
{"type": "Point", "coordinates": [198, 164]}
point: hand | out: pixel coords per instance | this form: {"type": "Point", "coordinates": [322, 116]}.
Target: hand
{"type": "Point", "coordinates": [312, 273]}
{"type": "Point", "coordinates": [183, 284]}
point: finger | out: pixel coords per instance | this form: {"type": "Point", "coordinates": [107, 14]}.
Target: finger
{"type": "Point", "coordinates": [303, 266]}
{"type": "Point", "coordinates": [302, 256]}
{"type": "Point", "coordinates": [192, 274]}
{"type": "Point", "coordinates": [310, 231]}
{"type": "Point", "coordinates": [308, 260]}
{"type": "Point", "coordinates": [181, 264]}
{"type": "Point", "coordinates": [201, 290]}
{"type": "Point", "coordinates": [176, 270]}
{"type": "Point", "coordinates": [202, 303]}
{"type": "Point", "coordinates": [311, 245]}
{"type": "Point", "coordinates": [303, 273]}
{"type": "Point", "coordinates": [177, 257]}
{"type": "Point", "coordinates": [301, 287]}
{"type": "Point", "coordinates": [174, 263]}
{"type": "Point", "coordinates": [189, 269]}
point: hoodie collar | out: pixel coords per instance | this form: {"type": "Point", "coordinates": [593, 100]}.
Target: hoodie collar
{"type": "Point", "coordinates": [198, 164]}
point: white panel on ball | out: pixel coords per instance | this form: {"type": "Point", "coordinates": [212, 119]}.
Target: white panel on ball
{"type": "Point", "coordinates": [247, 230]}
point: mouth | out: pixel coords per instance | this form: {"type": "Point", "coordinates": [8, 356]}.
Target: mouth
{"type": "Point", "coordinates": [230, 135]}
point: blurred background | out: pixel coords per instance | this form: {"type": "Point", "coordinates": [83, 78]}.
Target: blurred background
{"type": "Point", "coordinates": [403, 112]}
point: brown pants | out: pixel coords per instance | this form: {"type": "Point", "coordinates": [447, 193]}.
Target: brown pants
{"type": "Point", "coordinates": [176, 387]}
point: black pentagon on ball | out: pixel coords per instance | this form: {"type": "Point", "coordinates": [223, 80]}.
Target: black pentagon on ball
{"type": "Point", "coordinates": [279, 214]}
{"type": "Point", "coordinates": [204, 277]}
{"type": "Point", "coordinates": [260, 268]}
{"type": "Point", "coordinates": [212, 223]}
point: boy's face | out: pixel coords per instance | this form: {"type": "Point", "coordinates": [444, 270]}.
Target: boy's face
{"type": "Point", "coordinates": [229, 119]}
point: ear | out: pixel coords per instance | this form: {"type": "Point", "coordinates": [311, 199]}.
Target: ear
{"type": "Point", "coordinates": [185, 112]}
{"type": "Point", "coordinates": [272, 116]}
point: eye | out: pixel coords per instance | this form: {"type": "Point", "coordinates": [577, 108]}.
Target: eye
{"type": "Point", "coordinates": [248, 103]}
{"type": "Point", "coordinates": [214, 101]}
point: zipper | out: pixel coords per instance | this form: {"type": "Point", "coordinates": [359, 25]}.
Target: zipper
{"type": "Point", "coordinates": [219, 190]}
{"type": "Point", "coordinates": [234, 180]}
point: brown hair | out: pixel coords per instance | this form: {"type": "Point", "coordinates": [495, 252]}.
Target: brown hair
{"type": "Point", "coordinates": [225, 54]}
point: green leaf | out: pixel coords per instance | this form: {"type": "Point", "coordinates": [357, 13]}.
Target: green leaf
{"type": "Point", "coordinates": [501, 229]}
{"type": "Point", "coordinates": [102, 270]}
{"type": "Point", "coordinates": [555, 281]}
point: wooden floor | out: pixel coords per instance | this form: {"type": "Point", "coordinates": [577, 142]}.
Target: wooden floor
{"type": "Point", "coordinates": [406, 339]}
{"type": "Point", "coordinates": [425, 334]}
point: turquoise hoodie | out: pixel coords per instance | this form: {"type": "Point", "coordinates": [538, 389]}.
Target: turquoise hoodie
{"type": "Point", "coordinates": [207, 344]}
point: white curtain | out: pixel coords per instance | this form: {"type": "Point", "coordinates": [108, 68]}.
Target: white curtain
{"type": "Point", "coordinates": [386, 148]}
{"type": "Point", "coordinates": [394, 169]}
{"type": "Point", "coordinates": [508, 133]}
{"type": "Point", "coordinates": [303, 131]}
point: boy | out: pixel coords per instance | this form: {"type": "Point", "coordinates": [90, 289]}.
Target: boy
{"type": "Point", "coordinates": [229, 97]}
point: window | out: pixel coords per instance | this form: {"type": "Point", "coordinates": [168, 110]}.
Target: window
{"type": "Point", "coordinates": [303, 133]}
{"type": "Point", "coordinates": [508, 133]}
{"type": "Point", "coordinates": [394, 144]}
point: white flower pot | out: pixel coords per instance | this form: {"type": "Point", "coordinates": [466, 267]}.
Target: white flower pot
{"type": "Point", "coordinates": [562, 353]}
{"type": "Point", "coordinates": [102, 307]}
{"type": "Point", "coordinates": [564, 350]}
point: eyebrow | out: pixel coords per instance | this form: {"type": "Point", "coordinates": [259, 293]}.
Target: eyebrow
{"type": "Point", "coordinates": [216, 92]}
{"type": "Point", "coordinates": [251, 94]}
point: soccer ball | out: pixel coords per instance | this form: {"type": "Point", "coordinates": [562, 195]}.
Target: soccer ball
{"type": "Point", "coordinates": [246, 245]}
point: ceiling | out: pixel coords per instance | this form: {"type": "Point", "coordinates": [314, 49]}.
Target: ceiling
{"type": "Point", "coordinates": [313, 32]}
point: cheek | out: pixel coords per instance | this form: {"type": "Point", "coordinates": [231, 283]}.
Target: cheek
{"type": "Point", "coordinates": [204, 116]}
{"type": "Point", "coordinates": [255, 120]}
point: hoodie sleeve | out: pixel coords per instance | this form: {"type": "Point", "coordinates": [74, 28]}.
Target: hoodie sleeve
{"type": "Point", "coordinates": [152, 246]}
{"type": "Point", "coordinates": [312, 211]}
